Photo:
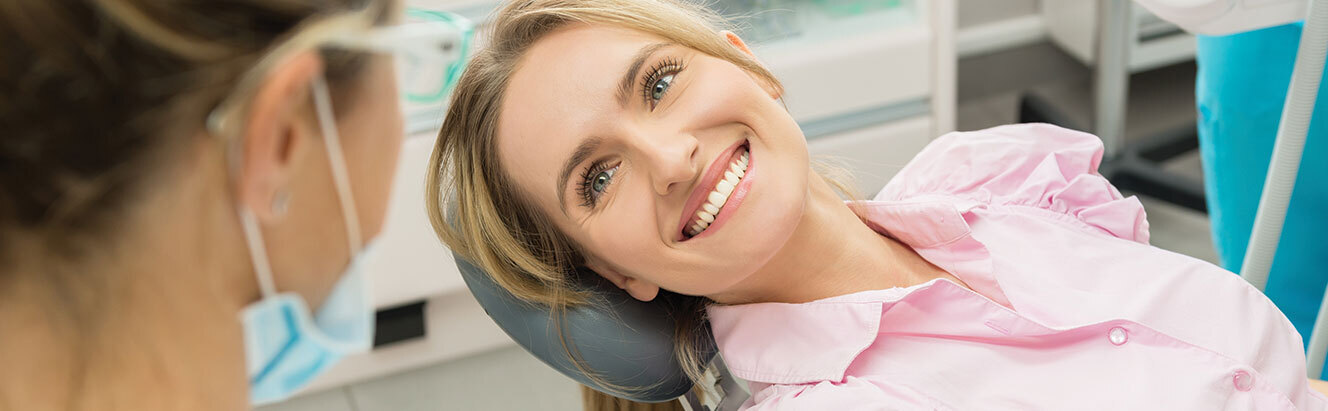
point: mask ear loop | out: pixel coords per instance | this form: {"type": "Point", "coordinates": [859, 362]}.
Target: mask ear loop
{"type": "Point", "coordinates": [257, 252]}
{"type": "Point", "coordinates": [337, 160]}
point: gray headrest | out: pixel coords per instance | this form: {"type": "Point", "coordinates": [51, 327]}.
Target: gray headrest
{"type": "Point", "coordinates": [627, 342]}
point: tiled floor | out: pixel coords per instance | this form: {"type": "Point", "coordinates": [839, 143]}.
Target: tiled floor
{"type": "Point", "coordinates": [989, 90]}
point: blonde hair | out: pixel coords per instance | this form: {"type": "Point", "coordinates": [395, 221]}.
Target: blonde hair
{"type": "Point", "coordinates": [490, 223]}
{"type": "Point", "coordinates": [592, 400]}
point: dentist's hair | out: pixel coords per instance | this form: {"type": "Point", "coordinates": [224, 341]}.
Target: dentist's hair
{"type": "Point", "coordinates": [96, 96]}
{"type": "Point", "coordinates": [491, 224]}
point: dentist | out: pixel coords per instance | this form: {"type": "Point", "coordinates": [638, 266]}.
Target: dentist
{"type": "Point", "coordinates": [188, 191]}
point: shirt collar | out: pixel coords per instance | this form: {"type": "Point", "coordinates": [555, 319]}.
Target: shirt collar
{"type": "Point", "coordinates": [779, 343]}
{"type": "Point", "coordinates": [936, 228]}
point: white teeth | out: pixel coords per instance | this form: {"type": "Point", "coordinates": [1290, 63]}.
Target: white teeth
{"type": "Point", "coordinates": [717, 198]}
{"type": "Point", "coordinates": [725, 187]}
{"type": "Point", "coordinates": [715, 201]}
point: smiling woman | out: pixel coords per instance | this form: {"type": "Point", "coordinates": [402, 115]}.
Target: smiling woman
{"type": "Point", "coordinates": [634, 138]}
{"type": "Point", "coordinates": [511, 220]}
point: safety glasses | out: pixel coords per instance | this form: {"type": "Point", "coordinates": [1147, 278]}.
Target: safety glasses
{"type": "Point", "coordinates": [429, 49]}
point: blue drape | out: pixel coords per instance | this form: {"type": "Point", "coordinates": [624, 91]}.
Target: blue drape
{"type": "Point", "coordinates": [1240, 89]}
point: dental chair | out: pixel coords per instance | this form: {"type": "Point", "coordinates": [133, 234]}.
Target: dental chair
{"type": "Point", "coordinates": [628, 343]}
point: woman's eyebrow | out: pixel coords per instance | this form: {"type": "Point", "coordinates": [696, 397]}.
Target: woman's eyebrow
{"type": "Point", "coordinates": [629, 78]}
{"type": "Point", "coordinates": [579, 155]}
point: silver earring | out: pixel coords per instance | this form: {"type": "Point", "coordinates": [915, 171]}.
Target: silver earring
{"type": "Point", "coordinates": [280, 203]}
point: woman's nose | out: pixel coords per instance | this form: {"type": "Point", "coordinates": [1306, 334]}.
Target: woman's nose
{"type": "Point", "coordinates": [672, 162]}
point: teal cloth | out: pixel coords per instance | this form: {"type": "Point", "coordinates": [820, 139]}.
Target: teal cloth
{"type": "Point", "coordinates": [1241, 87]}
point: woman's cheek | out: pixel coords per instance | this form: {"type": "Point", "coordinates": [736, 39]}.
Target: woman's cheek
{"type": "Point", "coordinates": [627, 231]}
{"type": "Point", "coordinates": [624, 248]}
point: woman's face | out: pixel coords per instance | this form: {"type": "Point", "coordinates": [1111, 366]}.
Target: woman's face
{"type": "Point", "coordinates": [622, 139]}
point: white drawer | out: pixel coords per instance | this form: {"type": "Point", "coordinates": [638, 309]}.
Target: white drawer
{"type": "Point", "coordinates": [874, 154]}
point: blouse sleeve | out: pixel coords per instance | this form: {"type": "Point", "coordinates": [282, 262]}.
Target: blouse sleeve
{"type": "Point", "coordinates": [1035, 165]}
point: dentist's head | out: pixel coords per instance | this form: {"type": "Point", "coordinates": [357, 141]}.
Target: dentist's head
{"type": "Point", "coordinates": [186, 189]}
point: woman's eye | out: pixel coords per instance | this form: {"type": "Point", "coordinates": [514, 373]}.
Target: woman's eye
{"type": "Point", "coordinates": [656, 84]}
{"type": "Point", "coordinates": [596, 181]}
{"type": "Point", "coordinates": [662, 85]}
{"type": "Point", "coordinates": [601, 180]}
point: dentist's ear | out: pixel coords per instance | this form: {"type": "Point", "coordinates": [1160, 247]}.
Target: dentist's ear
{"type": "Point", "coordinates": [275, 135]}
{"type": "Point", "coordinates": [639, 289]}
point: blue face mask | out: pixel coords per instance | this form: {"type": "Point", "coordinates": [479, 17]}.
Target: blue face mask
{"type": "Point", "coordinates": [285, 346]}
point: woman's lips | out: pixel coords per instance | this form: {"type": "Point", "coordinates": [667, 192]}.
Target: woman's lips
{"type": "Point", "coordinates": [722, 188]}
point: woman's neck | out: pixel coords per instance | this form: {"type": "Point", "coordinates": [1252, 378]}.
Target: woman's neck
{"type": "Point", "coordinates": [832, 253]}
{"type": "Point", "coordinates": [143, 323]}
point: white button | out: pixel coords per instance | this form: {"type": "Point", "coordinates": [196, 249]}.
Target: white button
{"type": "Point", "coordinates": [1243, 380]}
{"type": "Point", "coordinates": [1117, 335]}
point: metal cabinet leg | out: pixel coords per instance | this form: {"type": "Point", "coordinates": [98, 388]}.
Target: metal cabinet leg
{"type": "Point", "coordinates": [1111, 81]}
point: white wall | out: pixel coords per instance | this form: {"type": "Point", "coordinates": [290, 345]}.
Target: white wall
{"type": "Point", "coordinates": [988, 26]}
{"type": "Point", "coordinates": [976, 12]}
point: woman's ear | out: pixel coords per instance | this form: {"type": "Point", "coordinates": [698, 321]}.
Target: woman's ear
{"type": "Point", "coordinates": [639, 289]}
{"type": "Point", "coordinates": [274, 135]}
{"type": "Point", "coordinates": [737, 42]}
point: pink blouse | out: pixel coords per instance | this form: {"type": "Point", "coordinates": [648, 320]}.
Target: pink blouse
{"type": "Point", "coordinates": [1070, 308]}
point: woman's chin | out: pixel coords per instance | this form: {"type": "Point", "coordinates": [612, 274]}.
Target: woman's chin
{"type": "Point", "coordinates": [749, 241]}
